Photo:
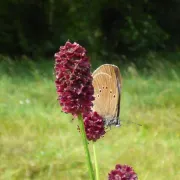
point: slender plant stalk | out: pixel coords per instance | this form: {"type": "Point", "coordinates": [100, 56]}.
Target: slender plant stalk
{"type": "Point", "coordinates": [85, 143]}
{"type": "Point", "coordinates": [95, 161]}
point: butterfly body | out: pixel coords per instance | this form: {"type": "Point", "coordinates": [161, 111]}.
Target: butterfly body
{"type": "Point", "coordinates": [107, 91]}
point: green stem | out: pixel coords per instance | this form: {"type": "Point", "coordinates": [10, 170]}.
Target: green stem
{"type": "Point", "coordinates": [85, 143]}
{"type": "Point", "coordinates": [95, 161]}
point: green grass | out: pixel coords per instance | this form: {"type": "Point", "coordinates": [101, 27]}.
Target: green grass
{"type": "Point", "coordinates": [38, 141]}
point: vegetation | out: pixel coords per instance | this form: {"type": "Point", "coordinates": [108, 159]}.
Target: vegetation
{"type": "Point", "coordinates": [37, 141]}
{"type": "Point", "coordinates": [106, 28]}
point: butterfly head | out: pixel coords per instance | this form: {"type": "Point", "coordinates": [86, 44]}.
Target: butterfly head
{"type": "Point", "coordinates": [112, 121]}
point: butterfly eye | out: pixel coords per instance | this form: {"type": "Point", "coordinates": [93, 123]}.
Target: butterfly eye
{"type": "Point", "coordinates": [110, 91]}
{"type": "Point", "coordinates": [98, 95]}
{"type": "Point", "coordinates": [114, 95]}
{"type": "Point", "coordinates": [100, 90]}
{"type": "Point", "coordinates": [103, 87]}
{"type": "Point", "coordinates": [106, 87]}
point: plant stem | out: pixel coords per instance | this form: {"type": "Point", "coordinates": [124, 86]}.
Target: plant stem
{"type": "Point", "coordinates": [95, 161]}
{"type": "Point", "coordinates": [85, 143]}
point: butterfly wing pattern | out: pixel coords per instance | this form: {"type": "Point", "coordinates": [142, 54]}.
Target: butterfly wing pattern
{"type": "Point", "coordinates": [107, 92]}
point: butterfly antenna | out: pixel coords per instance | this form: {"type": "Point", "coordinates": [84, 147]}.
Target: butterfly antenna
{"type": "Point", "coordinates": [134, 123]}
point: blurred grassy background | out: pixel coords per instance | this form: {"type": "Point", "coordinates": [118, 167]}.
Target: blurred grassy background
{"type": "Point", "coordinates": [39, 142]}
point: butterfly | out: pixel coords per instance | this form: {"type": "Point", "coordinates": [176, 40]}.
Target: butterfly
{"type": "Point", "coordinates": [107, 84]}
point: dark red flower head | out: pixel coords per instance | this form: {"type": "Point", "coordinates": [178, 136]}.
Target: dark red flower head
{"type": "Point", "coordinates": [94, 126]}
{"type": "Point", "coordinates": [122, 172]}
{"type": "Point", "coordinates": [73, 79]}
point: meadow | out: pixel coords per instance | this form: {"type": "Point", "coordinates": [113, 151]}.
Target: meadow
{"type": "Point", "coordinates": [39, 142]}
